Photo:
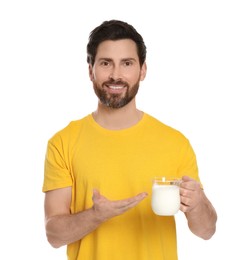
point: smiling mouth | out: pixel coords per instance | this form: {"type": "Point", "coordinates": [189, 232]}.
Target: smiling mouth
{"type": "Point", "coordinates": [115, 87]}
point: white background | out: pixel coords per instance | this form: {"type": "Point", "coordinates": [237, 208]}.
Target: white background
{"type": "Point", "coordinates": [197, 81]}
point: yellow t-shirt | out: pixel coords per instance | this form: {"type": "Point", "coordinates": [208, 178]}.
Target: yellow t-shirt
{"type": "Point", "coordinates": [121, 164]}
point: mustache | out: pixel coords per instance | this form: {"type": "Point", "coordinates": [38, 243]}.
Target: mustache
{"type": "Point", "coordinates": [115, 82]}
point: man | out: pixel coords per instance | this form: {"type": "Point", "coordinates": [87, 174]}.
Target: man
{"type": "Point", "coordinates": [99, 170]}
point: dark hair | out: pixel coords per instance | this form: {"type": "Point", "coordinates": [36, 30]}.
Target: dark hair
{"type": "Point", "coordinates": [114, 30]}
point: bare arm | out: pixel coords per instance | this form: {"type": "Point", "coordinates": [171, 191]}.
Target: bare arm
{"type": "Point", "coordinates": [63, 228]}
{"type": "Point", "coordinates": [199, 211]}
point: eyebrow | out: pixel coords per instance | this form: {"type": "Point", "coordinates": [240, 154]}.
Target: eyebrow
{"type": "Point", "coordinates": [124, 59]}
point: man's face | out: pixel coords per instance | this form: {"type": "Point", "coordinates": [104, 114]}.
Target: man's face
{"type": "Point", "coordinates": [116, 72]}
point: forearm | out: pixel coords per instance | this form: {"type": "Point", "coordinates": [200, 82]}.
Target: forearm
{"type": "Point", "coordinates": [66, 229]}
{"type": "Point", "coordinates": [202, 219]}
{"type": "Point", "coordinates": [63, 228]}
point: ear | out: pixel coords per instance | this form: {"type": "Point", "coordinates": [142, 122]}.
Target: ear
{"type": "Point", "coordinates": [143, 71]}
{"type": "Point", "coordinates": [90, 71]}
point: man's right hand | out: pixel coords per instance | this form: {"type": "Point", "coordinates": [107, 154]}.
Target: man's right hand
{"type": "Point", "coordinates": [106, 209]}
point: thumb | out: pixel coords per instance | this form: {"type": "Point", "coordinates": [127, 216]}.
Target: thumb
{"type": "Point", "coordinates": [96, 194]}
{"type": "Point", "coordinates": [186, 178]}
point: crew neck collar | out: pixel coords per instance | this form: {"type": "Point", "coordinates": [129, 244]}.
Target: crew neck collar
{"type": "Point", "coordinates": [119, 131]}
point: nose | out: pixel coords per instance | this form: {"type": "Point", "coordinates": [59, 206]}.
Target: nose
{"type": "Point", "coordinates": [115, 73]}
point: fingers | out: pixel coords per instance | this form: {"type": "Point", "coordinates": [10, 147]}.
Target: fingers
{"type": "Point", "coordinates": [189, 183]}
{"type": "Point", "coordinates": [190, 191]}
{"type": "Point", "coordinates": [187, 203]}
{"type": "Point", "coordinates": [138, 197]}
{"type": "Point", "coordinates": [106, 209]}
{"type": "Point", "coordinates": [131, 202]}
{"type": "Point", "coordinates": [186, 178]}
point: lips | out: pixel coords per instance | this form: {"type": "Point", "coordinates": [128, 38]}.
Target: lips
{"type": "Point", "coordinates": [115, 88]}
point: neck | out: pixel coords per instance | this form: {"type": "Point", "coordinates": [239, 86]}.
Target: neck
{"type": "Point", "coordinates": [116, 119]}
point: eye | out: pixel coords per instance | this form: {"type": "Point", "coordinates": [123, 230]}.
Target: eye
{"type": "Point", "coordinates": [127, 63]}
{"type": "Point", "coordinates": [105, 63]}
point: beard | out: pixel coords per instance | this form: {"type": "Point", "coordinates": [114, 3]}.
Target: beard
{"type": "Point", "coordinates": [118, 100]}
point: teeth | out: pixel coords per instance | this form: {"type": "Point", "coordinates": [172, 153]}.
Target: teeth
{"type": "Point", "coordinates": [115, 87]}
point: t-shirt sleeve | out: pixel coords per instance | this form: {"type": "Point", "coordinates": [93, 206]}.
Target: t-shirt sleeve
{"type": "Point", "coordinates": [56, 171]}
{"type": "Point", "coordinates": [188, 164]}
